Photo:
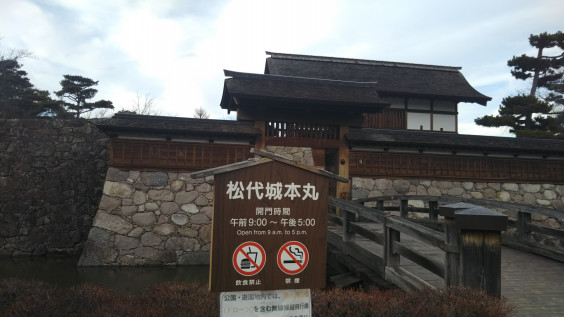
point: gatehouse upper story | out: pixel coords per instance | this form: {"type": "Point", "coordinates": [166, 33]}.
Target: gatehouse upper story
{"type": "Point", "coordinates": [359, 118]}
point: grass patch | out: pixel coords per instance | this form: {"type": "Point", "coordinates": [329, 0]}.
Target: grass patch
{"type": "Point", "coordinates": [33, 298]}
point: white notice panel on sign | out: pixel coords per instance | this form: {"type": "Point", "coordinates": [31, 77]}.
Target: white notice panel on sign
{"type": "Point", "coordinates": [281, 303]}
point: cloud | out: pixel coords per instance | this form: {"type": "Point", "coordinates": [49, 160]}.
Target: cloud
{"type": "Point", "coordinates": [176, 50]}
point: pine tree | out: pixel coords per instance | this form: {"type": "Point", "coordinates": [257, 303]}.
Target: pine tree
{"type": "Point", "coordinates": [534, 115]}
{"type": "Point", "coordinates": [18, 97]}
{"type": "Point", "coordinates": [78, 90]}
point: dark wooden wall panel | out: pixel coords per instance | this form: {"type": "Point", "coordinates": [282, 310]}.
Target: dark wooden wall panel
{"type": "Point", "coordinates": [395, 165]}
{"type": "Point", "coordinates": [175, 155]}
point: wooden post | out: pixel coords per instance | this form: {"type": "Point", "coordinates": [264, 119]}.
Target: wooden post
{"type": "Point", "coordinates": [433, 211]}
{"type": "Point", "coordinates": [403, 208]}
{"type": "Point", "coordinates": [480, 248]}
{"type": "Point", "coordinates": [343, 189]}
{"type": "Point", "coordinates": [391, 259]}
{"type": "Point", "coordinates": [452, 250]}
{"type": "Point", "coordinates": [380, 205]}
{"type": "Point", "coordinates": [348, 217]}
{"type": "Point", "coordinates": [260, 142]}
{"type": "Point", "coordinates": [523, 220]}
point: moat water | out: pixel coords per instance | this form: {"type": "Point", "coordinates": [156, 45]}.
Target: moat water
{"type": "Point", "coordinates": [64, 272]}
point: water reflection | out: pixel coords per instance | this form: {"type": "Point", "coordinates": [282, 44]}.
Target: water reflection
{"type": "Point", "coordinates": [123, 280]}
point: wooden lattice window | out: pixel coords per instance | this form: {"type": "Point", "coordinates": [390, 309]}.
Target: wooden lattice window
{"type": "Point", "coordinates": [302, 134]}
{"type": "Point", "coordinates": [394, 119]}
{"type": "Point", "coordinates": [175, 155]}
{"type": "Point", "coordinates": [394, 165]}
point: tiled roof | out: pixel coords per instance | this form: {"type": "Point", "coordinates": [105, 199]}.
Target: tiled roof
{"type": "Point", "coordinates": [452, 142]}
{"type": "Point", "coordinates": [320, 94]}
{"type": "Point", "coordinates": [127, 123]}
{"type": "Point", "coordinates": [391, 78]}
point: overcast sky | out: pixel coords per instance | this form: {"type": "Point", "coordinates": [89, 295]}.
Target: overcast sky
{"type": "Point", "coordinates": [176, 50]}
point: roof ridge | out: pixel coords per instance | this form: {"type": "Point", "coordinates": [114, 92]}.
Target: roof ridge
{"type": "Point", "coordinates": [235, 74]}
{"type": "Point", "coordinates": [361, 61]}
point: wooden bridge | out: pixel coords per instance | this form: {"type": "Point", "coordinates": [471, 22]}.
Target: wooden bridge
{"type": "Point", "coordinates": [450, 241]}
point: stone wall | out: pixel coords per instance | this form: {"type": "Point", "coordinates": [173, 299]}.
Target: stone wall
{"type": "Point", "coordinates": [301, 155]}
{"type": "Point", "coordinates": [542, 195]}
{"type": "Point", "coordinates": [51, 177]}
{"type": "Point", "coordinates": [157, 218]}
{"type": "Point", "coordinates": [151, 218]}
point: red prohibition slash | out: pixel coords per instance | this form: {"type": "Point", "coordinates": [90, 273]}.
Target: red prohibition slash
{"type": "Point", "coordinates": [293, 257]}
{"type": "Point", "coordinates": [249, 258]}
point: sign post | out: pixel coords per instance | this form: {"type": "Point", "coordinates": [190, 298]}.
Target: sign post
{"type": "Point", "coordinates": [269, 228]}
{"type": "Point", "coordinates": [269, 234]}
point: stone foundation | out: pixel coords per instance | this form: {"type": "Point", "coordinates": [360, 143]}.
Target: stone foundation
{"type": "Point", "coordinates": [51, 177]}
{"type": "Point", "coordinates": [301, 155]}
{"type": "Point", "coordinates": [151, 218]}
{"type": "Point", "coordinates": [542, 195]}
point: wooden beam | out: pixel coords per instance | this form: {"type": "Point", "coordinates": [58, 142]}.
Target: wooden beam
{"type": "Point", "coordinates": [343, 189]}
{"type": "Point", "coordinates": [260, 142]}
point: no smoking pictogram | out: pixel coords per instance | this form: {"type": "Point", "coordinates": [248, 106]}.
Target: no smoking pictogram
{"type": "Point", "coordinates": [249, 258]}
{"type": "Point", "coordinates": [293, 257]}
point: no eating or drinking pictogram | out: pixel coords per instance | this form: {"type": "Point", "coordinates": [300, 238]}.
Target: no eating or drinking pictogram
{"type": "Point", "coordinates": [293, 257]}
{"type": "Point", "coordinates": [249, 258]}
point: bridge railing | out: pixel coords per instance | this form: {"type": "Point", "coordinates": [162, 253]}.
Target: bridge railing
{"type": "Point", "coordinates": [472, 254]}
{"type": "Point", "coordinates": [530, 228]}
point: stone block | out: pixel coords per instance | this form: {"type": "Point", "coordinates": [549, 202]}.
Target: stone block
{"type": "Point", "coordinates": [116, 175]}
{"type": "Point", "coordinates": [208, 211]}
{"type": "Point", "coordinates": [97, 254]}
{"type": "Point", "coordinates": [382, 184]}
{"type": "Point", "coordinates": [144, 219]}
{"type": "Point", "coordinates": [176, 185]}
{"type": "Point", "coordinates": [202, 201]}
{"type": "Point", "coordinates": [151, 206]}
{"type": "Point", "coordinates": [118, 190]}
{"type": "Point", "coordinates": [204, 188]}
{"type": "Point", "coordinates": [125, 243]}
{"type": "Point", "coordinates": [455, 191]}
{"type": "Point", "coordinates": [168, 208]}
{"type": "Point", "coordinates": [139, 198]}
{"type": "Point", "coordinates": [128, 210]}
{"type": "Point", "coordinates": [179, 219]}
{"type": "Point", "coordinates": [154, 178]}
{"type": "Point", "coordinates": [543, 202]}
{"type": "Point", "coordinates": [434, 191]}
{"type": "Point", "coordinates": [495, 186]}
{"type": "Point", "coordinates": [503, 196]}
{"type": "Point", "coordinates": [167, 256]}
{"type": "Point", "coordinates": [190, 208]}
{"type": "Point", "coordinates": [164, 229]}
{"type": "Point", "coordinates": [184, 197]}
{"type": "Point", "coordinates": [205, 233]}
{"type": "Point", "coordinates": [160, 195]}
{"type": "Point", "coordinates": [188, 232]}
{"type": "Point", "coordinates": [199, 219]}
{"type": "Point", "coordinates": [146, 253]}
{"type": "Point", "coordinates": [531, 188]}
{"type": "Point", "coordinates": [112, 223]}
{"type": "Point", "coordinates": [100, 236]}
{"type": "Point", "coordinates": [150, 239]}
{"type": "Point", "coordinates": [467, 185]}
{"type": "Point", "coordinates": [136, 232]}
{"type": "Point", "coordinates": [549, 194]}
{"type": "Point", "coordinates": [401, 186]}
{"type": "Point", "coordinates": [510, 187]}
{"type": "Point", "coordinates": [559, 189]}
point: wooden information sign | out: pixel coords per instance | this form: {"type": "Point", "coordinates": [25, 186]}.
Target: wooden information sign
{"type": "Point", "coordinates": [269, 228]}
